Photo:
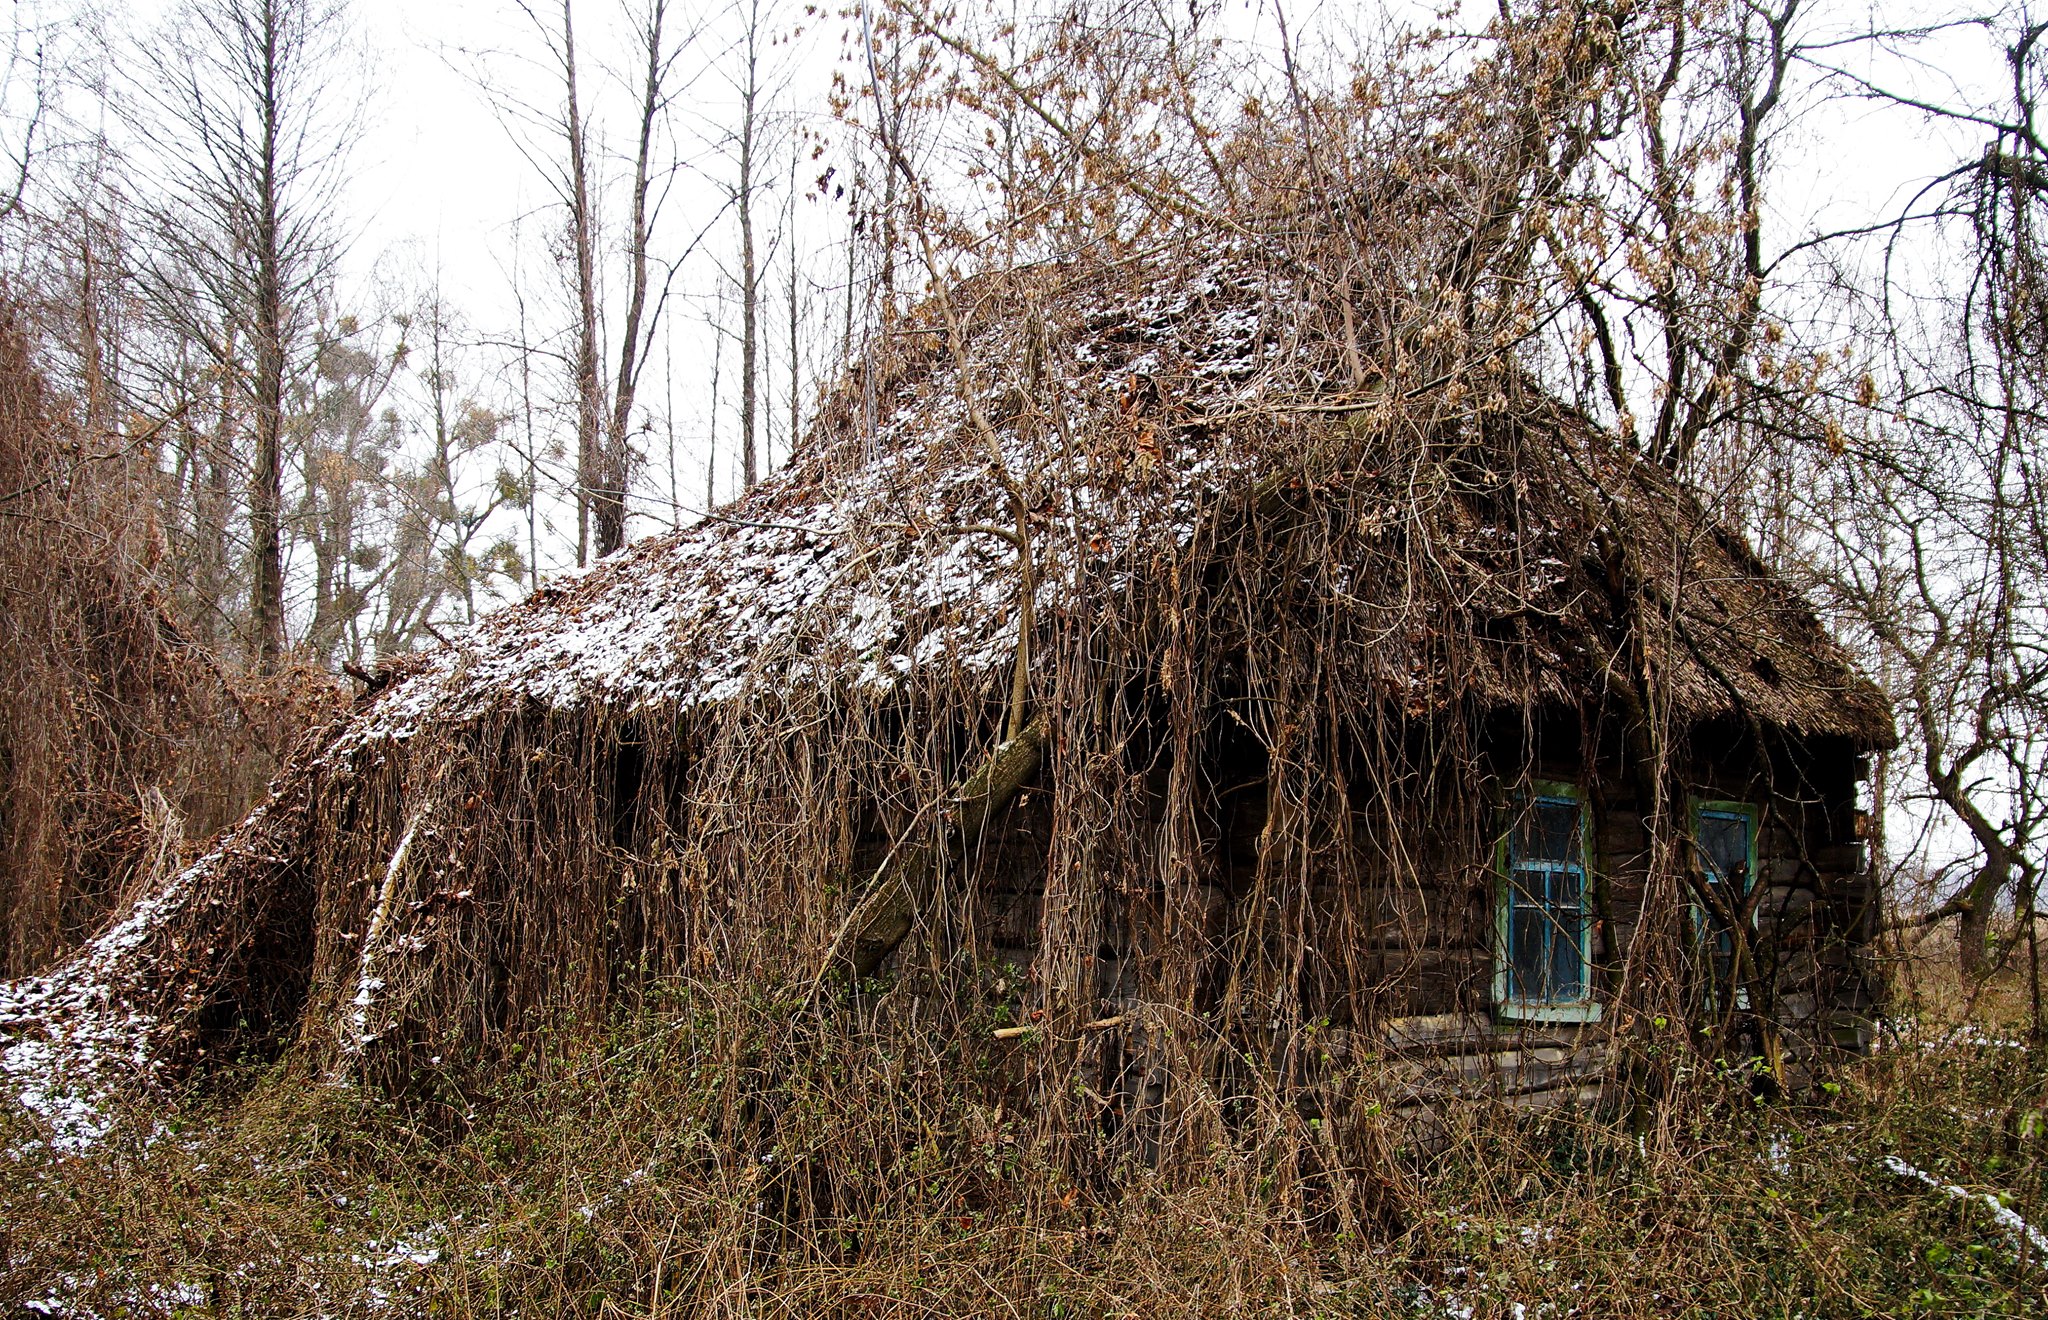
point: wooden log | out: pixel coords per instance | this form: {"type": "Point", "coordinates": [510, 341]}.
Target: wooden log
{"type": "Point", "coordinates": [1500, 1074]}
{"type": "Point", "coordinates": [1787, 902]}
{"type": "Point", "coordinates": [1415, 982]}
{"type": "Point", "coordinates": [1434, 1032]}
{"type": "Point", "coordinates": [1425, 1121]}
{"type": "Point", "coordinates": [1563, 1097]}
{"type": "Point", "coordinates": [1410, 917]}
{"type": "Point", "coordinates": [887, 912]}
{"type": "Point", "coordinates": [1452, 1033]}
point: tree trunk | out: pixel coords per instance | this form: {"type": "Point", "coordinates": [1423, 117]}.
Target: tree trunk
{"type": "Point", "coordinates": [212, 506]}
{"type": "Point", "coordinates": [610, 498]}
{"type": "Point", "coordinates": [591, 469]}
{"type": "Point", "coordinates": [750, 275]}
{"type": "Point", "coordinates": [1975, 903]}
{"type": "Point", "coordinates": [795, 328]}
{"type": "Point", "coordinates": [1973, 928]}
{"type": "Point", "coordinates": [266, 482]}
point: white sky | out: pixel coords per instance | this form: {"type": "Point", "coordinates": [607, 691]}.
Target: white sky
{"type": "Point", "coordinates": [438, 185]}
{"type": "Point", "coordinates": [439, 178]}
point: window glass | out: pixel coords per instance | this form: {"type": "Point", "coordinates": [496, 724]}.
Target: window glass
{"type": "Point", "coordinates": [1550, 832]}
{"type": "Point", "coordinates": [1528, 940]}
{"type": "Point", "coordinates": [1567, 960]}
{"type": "Point", "coordinates": [1726, 837]}
{"type": "Point", "coordinates": [1545, 910]}
{"type": "Point", "coordinates": [1724, 846]}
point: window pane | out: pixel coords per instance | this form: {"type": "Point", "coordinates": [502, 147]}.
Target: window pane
{"type": "Point", "coordinates": [1566, 914]}
{"type": "Point", "coordinates": [1527, 947]}
{"type": "Point", "coordinates": [1725, 839]}
{"type": "Point", "coordinates": [1549, 833]}
{"type": "Point", "coordinates": [1545, 919]}
{"type": "Point", "coordinates": [1545, 915]}
{"type": "Point", "coordinates": [1724, 842]}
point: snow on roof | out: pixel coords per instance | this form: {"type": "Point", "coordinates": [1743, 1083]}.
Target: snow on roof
{"type": "Point", "coordinates": [874, 558]}
{"type": "Point", "coordinates": [1128, 422]}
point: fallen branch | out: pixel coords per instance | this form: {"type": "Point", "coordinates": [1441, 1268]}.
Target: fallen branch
{"type": "Point", "coordinates": [1100, 1024]}
{"type": "Point", "coordinates": [885, 915]}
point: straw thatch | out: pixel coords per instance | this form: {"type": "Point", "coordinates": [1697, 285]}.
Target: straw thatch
{"type": "Point", "coordinates": [868, 559]}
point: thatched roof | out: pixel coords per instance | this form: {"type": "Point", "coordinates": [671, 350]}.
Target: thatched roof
{"type": "Point", "coordinates": [1482, 548]}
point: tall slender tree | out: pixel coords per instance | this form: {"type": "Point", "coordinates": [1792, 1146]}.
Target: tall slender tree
{"type": "Point", "coordinates": [248, 137]}
{"type": "Point", "coordinates": [658, 52]}
{"type": "Point", "coordinates": [750, 270]}
{"type": "Point", "coordinates": [582, 203]}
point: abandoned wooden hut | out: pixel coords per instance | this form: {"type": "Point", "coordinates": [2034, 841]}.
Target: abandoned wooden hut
{"type": "Point", "coordinates": [1101, 666]}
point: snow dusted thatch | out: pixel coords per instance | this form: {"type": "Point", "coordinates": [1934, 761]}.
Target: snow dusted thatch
{"type": "Point", "coordinates": [870, 557]}
{"type": "Point", "coordinates": [685, 760]}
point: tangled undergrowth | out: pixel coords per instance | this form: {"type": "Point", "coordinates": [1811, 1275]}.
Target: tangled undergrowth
{"type": "Point", "coordinates": [666, 1169]}
{"type": "Point", "coordinates": [124, 739]}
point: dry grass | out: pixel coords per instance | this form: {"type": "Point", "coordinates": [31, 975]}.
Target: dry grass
{"type": "Point", "coordinates": [671, 1168]}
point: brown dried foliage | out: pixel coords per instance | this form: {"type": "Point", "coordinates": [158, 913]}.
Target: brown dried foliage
{"type": "Point", "coordinates": [119, 738]}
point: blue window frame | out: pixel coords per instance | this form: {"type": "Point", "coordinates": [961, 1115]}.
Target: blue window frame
{"type": "Point", "coordinates": [1725, 834]}
{"type": "Point", "coordinates": [1544, 964]}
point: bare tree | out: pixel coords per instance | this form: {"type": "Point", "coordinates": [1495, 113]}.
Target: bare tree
{"type": "Point", "coordinates": [565, 150]}
{"type": "Point", "coordinates": [750, 273]}
{"type": "Point", "coordinates": [794, 305]}
{"type": "Point", "coordinates": [248, 135]}
{"type": "Point", "coordinates": [659, 53]}
{"type": "Point", "coordinates": [529, 448]}
{"type": "Point", "coordinates": [454, 487]}
{"type": "Point", "coordinates": [349, 446]}
{"type": "Point", "coordinates": [24, 107]}
{"type": "Point", "coordinates": [1927, 515]}
{"type": "Point", "coordinates": [577, 190]}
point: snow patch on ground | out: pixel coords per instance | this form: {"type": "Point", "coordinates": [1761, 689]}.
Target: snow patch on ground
{"type": "Point", "coordinates": [2019, 1230]}
{"type": "Point", "coordinates": [155, 1299]}
{"type": "Point", "coordinates": [1904, 1032]}
{"type": "Point", "coordinates": [67, 1041]}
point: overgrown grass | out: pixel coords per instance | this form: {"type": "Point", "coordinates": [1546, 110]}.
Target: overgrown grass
{"type": "Point", "coordinates": [690, 1164]}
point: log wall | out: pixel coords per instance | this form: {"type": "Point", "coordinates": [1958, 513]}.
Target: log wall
{"type": "Point", "coordinates": [1406, 969]}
